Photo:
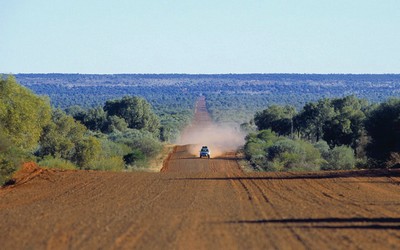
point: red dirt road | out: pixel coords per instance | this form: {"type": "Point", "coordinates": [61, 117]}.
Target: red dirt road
{"type": "Point", "coordinates": [201, 204]}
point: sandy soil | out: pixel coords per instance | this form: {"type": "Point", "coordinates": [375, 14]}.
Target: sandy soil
{"type": "Point", "coordinates": [201, 204]}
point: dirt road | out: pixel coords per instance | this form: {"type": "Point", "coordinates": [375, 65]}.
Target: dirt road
{"type": "Point", "coordinates": [201, 204]}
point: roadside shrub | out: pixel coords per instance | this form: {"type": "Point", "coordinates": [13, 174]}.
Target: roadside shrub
{"type": "Point", "coordinates": [323, 148]}
{"type": "Point", "coordinates": [7, 167]}
{"type": "Point", "coordinates": [87, 150]}
{"type": "Point", "coordinates": [267, 136]}
{"type": "Point", "coordinates": [142, 140]}
{"type": "Point", "coordinates": [256, 146]}
{"type": "Point", "coordinates": [340, 158]}
{"type": "Point", "coordinates": [110, 148]}
{"type": "Point", "coordinates": [114, 163]}
{"type": "Point", "coordinates": [134, 157]}
{"type": "Point", "coordinates": [10, 158]}
{"type": "Point", "coordinates": [56, 163]}
{"type": "Point", "coordinates": [293, 155]}
{"type": "Point", "coordinates": [255, 152]}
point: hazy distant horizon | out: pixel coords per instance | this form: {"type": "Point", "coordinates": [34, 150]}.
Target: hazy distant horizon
{"type": "Point", "coordinates": [194, 74]}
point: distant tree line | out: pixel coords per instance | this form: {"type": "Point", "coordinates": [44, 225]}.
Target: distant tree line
{"type": "Point", "coordinates": [337, 133]}
{"type": "Point", "coordinates": [230, 97]}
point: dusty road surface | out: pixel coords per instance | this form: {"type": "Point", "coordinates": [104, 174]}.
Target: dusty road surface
{"type": "Point", "coordinates": [201, 204]}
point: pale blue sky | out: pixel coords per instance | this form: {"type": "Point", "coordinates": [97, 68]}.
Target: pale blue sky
{"type": "Point", "coordinates": [192, 36]}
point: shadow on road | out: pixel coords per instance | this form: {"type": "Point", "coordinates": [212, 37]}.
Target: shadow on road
{"type": "Point", "coordinates": [381, 223]}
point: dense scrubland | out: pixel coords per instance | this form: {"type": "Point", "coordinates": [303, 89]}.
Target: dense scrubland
{"type": "Point", "coordinates": [330, 134]}
{"type": "Point", "coordinates": [123, 134]}
{"type": "Point", "coordinates": [119, 122]}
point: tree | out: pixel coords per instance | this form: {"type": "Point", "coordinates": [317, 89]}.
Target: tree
{"type": "Point", "coordinates": [95, 119]}
{"type": "Point", "coordinates": [115, 123]}
{"type": "Point", "coordinates": [277, 118]}
{"type": "Point", "coordinates": [86, 152]}
{"type": "Point", "coordinates": [340, 157]}
{"type": "Point", "coordinates": [10, 158]}
{"type": "Point", "coordinates": [346, 126]}
{"type": "Point", "coordinates": [77, 112]}
{"type": "Point", "coordinates": [142, 140]}
{"type": "Point", "coordinates": [286, 154]}
{"type": "Point", "coordinates": [136, 111]}
{"type": "Point", "coordinates": [133, 157]}
{"type": "Point", "coordinates": [67, 139]}
{"type": "Point", "coordinates": [23, 115]}
{"type": "Point", "coordinates": [383, 126]}
{"type": "Point", "coordinates": [313, 117]}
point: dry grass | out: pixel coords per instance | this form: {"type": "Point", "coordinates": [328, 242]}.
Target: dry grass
{"type": "Point", "coordinates": [156, 164]}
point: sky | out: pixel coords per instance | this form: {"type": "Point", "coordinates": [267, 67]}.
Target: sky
{"type": "Point", "coordinates": [199, 37]}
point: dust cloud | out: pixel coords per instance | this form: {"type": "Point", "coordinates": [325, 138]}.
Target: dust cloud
{"type": "Point", "coordinates": [220, 139]}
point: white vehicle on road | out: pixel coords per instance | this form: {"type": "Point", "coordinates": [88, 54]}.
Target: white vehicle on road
{"type": "Point", "coordinates": [205, 152]}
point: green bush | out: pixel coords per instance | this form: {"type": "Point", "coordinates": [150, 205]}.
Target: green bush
{"type": "Point", "coordinates": [10, 158]}
{"type": "Point", "coordinates": [341, 157]}
{"type": "Point", "coordinates": [7, 168]}
{"type": "Point", "coordinates": [323, 148]}
{"type": "Point", "coordinates": [68, 139]}
{"type": "Point", "coordinates": [142, 140]}
{"type": "Point", "coordinates": [293, 155]}
{"type": "Point", "coordinates": [134, 157]}
{"type": "Point", "coordinates": [110, 148]}
{"type": "Point", "coordinates": [256, 146]}
{"type": "Point", "coordinates": [56, 163]}
{"type": "Point", "coordinates": [114, 163]}
{"type": "Point", "coordinates": [23, 115]}
{"type": "Point", "coordinates": [273, 153]}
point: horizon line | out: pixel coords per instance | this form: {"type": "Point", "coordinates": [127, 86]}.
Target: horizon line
{"type": "Point", "coordinates": [254, 73]}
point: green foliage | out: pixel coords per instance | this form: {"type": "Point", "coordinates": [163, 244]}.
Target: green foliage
{"type": "Point", "coordinates": [256, 146]}
{"type": "Point", "coordinates": [276, 118]}
{"type": "Point", "coordinates": [95, 119]}
{"type": "Point", "coordinates": [111, 149]}
{"type": "Point", "coordinates": [383, 126]}
{"type": "Point", "coordinates": [293, 155]}
{"type": "Point", "coordinates": [22, 114]}
{"type": "Point", "coordinates": [346, 126]}
{"type": "Point", "coordinates": [272, 153]}
{"type": "Point", "coordinates": [134, 157]}
{"type": "Point", "coordinates": [172, 123]}
{"type": "Point", "coordinates": [67, 139]}
{"type": "Point", "coordinates": [136, 111]}
{"type": "Point", "coordinates": [267, 136]}
{"type": "Point", "coordinates": [86, 152]}
{"type": "Point", "coordinates": [114, 163]}
{"type": "Point", "coordinates": [121, 141]}
{"type": "Point", "coordinates": [141, 140]}
{"type": "Point", "coordinates": [339, 158]}
{"type": "Point", "coordinates": [338, 121]}
{"type": "Point", "coordinates": [323, 148]}
{"type": "Point", "coordinates": [56, 163]}
{"type": "Point", "coordinates": [115, 123]}
{"type": "Point", "coordinates": [10, 158]}
{"type": "Point", "coordinates": [110, 157]}
{"type": "Point", "coordinates": [312, 118]}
